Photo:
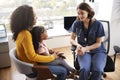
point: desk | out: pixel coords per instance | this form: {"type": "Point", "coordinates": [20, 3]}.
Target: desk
{"type": "Point", "coordinates": [57, 38]}
{"type": "Point", "coordinates": [57, 32]}
{"type": "Point", "coordinates": [4, 53]}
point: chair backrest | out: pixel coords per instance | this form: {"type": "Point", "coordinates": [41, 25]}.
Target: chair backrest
{"type": "Point", "coordinates": [22, 67]}
{"type": "Point", "coordinates": [106, 39]}
{"type": "Point", "coordinates": [68, 20]}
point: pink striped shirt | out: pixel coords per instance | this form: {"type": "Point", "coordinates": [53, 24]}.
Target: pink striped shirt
{"type": "Point", "coordinates": [43, 49]}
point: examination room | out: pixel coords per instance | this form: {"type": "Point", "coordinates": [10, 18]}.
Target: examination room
{"type": "Point", "coordinates": [59, 40]}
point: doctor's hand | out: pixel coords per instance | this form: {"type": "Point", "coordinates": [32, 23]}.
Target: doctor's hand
{"type": "Point", "coordinates": [78, 49]}
{"type": "Point", "coordinates": [82, 51]}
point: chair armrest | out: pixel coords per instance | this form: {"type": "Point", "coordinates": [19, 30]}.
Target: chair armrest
{"type": "Point", "coordinates": [116, 49]}
{"type": "Point", "coordinates": [73, 47]}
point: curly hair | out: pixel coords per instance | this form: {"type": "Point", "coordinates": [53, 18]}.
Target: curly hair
{"type": "Point", "coordinates": [36, 32]}
{"type": "Point", "coordinates": [22, 18]}
{"type": "Point", "coordinates": [86, 7]}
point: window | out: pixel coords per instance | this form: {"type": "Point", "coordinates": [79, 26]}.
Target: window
{"type": "Point", "coordinates": [2, 31]}
{"type": "Point", "coordinates": [50, 13]}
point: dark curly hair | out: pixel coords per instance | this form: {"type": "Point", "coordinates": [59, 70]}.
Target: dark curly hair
{"type": "Point", "coordinates": [36, 34]}
{"type": "Point", "coordinates": [22, 18]}
{"type": "Point", "coordinates": [86, 7]}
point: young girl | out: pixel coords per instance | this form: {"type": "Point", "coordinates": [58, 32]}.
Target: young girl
{"type": "Point", "coordinates": [39, 34]}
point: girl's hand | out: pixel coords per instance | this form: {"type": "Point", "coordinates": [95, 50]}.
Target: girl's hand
{"type": "Point", "coordinates": [51, 51]}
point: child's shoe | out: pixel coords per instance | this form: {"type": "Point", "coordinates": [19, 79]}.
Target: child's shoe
{"type": "Point", "coordinates": [70, 76]}
{"type": "Point", "coordinates": [75, 72]}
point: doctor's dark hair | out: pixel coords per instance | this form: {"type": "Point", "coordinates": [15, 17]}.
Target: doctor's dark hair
{"type": "Point", "coordinates": [36, 32]}
{"type": "Point", "coordinates": [86, 7]}
{"type": "Point", "coordinates": [22, 18]}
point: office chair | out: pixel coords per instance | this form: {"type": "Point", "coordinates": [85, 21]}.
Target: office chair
{"type": "Point", "coordinates": [27, 68]}
{"type": "Point", "coordinates": [110, 64]}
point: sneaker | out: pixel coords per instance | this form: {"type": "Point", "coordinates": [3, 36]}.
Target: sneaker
{"type": "Point", "coordinates": [70, 76]}
{"type": "Point", "coordinates": [75, 72]}
{"type": "Point", "coordinates": [27, 78]}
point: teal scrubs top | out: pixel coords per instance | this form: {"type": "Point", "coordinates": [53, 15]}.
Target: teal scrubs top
{"type": "Point", "coordinates": [86, 37]}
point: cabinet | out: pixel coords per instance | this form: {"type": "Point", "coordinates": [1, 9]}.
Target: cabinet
{"type": "Point", "coordinates": [4, 53]}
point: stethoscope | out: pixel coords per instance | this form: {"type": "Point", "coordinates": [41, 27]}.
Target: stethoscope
{"type": "Point", "coordinates": [82, 28]}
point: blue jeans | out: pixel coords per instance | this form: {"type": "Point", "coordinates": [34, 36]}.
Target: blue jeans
{"type": "Point", "coordinates": [61, 62]}
{"type": "Point", "coordinates": [60, 71]}
{"type": "Point", "coordinates": [94, 63]}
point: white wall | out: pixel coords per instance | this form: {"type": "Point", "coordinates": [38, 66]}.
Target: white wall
{"type": "Point", "coordinates": [10, 41]}
{"type": "Point", "coordinates": [115, 25]}
{"type": "Point", "coordinates": [60, 41]}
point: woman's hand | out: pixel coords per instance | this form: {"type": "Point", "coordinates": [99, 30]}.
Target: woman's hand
{"type": "Point", "coordinates": [78, 49]}
{"type": "Point", "coordinates": [58, 55]}
{"type": "Point", "coordinates": [81, 50]}
{"type": "Point", "coordinates": [55, 55]}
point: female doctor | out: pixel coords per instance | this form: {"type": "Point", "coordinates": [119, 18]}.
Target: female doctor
{"type": "Point", "coordinates": [91, 53]}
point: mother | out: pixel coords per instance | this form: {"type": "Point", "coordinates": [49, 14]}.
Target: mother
{"type": "Point", "coordinates": [22, 20]}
